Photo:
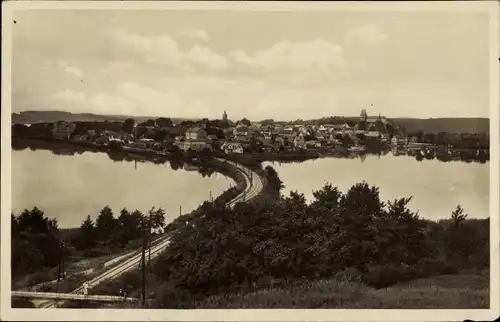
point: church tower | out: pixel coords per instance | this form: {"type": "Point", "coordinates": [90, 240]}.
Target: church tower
{"type": "Point", "coordinates": [363, 116]}
{"type": "Point", "coordinates": [224, 116]}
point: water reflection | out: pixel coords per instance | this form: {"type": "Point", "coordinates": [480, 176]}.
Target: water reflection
{"type": "Point", "coordinates": [445, 155]}
{"type": "Point", "coordinates": [69, 184]}
{"type": "Point", "coordinates": [64, 149]}
{"type": "Point", "coordinates": [437, 187]}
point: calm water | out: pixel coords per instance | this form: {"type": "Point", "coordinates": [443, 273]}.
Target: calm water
{"type": "Point", "coordinates": [437, 187]}
{"type": "Point", "coordinates": [71, 187]}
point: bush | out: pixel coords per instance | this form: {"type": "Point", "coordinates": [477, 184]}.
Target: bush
{"type": "Point", "coordinates": [95, 252]}
{"type": "Point", "coordinates": [291, 240]}
{"type": "Point", "coordinates": [381, 276]}
{"type": "Point", "coordinates": [430, 267]}
{"type": "Point", "coordinates": [350, 274]}
{"type": "Point", "coordinates": [168, 296]}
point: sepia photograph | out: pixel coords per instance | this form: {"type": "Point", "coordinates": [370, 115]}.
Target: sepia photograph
{"type": "Point", "coordinates": [250, 161]}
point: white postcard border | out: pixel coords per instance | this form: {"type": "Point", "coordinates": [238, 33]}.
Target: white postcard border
{"type": "Point", "coordinates": [10, 314]}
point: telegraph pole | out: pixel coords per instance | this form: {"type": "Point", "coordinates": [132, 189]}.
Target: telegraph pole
{"type": "Point", "coordinates": [143, 260]}
{"type": "Point", "coordinates": [149, 242]}
{"type": "Point", "coordinates": [59, 272]}
{"type": "Point", "coordinates": [60, 268]}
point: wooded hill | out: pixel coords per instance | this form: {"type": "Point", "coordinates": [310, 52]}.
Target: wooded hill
{"type": "Point", "coordinates": [30, 117]}
{"type": "Point", "coordinates": [449, 125]}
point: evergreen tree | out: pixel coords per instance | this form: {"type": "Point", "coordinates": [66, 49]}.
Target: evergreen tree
{"type": "Point", "coordinates": [128, 125]}
{"type": "Point", "coordinates": [87, 235]}
{"type": "Point", "coordinates": [456, 244]}
{"type": "Point", "coordinates": [35, 242]}
{"type": "Point", "coordinates": [106, 225]}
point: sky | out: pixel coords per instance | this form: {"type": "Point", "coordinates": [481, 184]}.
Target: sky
{"type": "Point", "coordinates": [254, 64]}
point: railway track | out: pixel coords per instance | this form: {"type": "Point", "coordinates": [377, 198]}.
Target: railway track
{"type": "Point", "coordinates": [253, 187]}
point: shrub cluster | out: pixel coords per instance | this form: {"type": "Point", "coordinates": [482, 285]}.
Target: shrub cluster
{"type": "Point", "coordinates": [109, 232]}
{"type": "Point", "coordinates": [35, 242]}
{"type": "Point", "coordinates": [289, 240]}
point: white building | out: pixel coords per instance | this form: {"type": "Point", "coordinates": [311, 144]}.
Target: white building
{"type": "Point", "coordinates": [232, 147]}
{"type": "Point", "coordinates": [193, 145]}
{"type": "Point", "coordinates": [299, 142]}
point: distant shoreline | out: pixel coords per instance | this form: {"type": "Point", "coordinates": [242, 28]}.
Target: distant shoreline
{"type": "Point", "coordinates": [20, 143]}
{"type": "Point", "coordinates": [434, 125]}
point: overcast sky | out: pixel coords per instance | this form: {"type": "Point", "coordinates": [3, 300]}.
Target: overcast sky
{"type": "Point", "coordinates": [281, 65]}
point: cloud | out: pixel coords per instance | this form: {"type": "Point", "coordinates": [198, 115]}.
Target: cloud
{"type": "Point", "coordinates": [70, 95]}
{"type": "Point", "coordinates": [286, 56]}
{"type": "Point", "coordinates": [205, 57]}
{"type": "Point", "coordinates": [70, 69]}
{"type": "Point", "coordinates": [366, 35]}
{"type": "Point", "coordinates": [75, 71]}
{"type": "Point", "coordinates": [166, 51]}
{"type": "Point", "coordinates": [195, 34]}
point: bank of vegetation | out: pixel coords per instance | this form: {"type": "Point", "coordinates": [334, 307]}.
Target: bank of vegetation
{"type": "Point", "coordinates": [255, 247]}
{"type": "Point", "coordinates": [342, 250]}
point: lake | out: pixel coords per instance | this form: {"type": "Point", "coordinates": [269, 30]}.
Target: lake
{"type": "Point", "coordinates": [437, 187]}
{"type": "Point", "coordinates": [70, 187]}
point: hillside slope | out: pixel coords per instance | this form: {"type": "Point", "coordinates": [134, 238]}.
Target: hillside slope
{"type": "Point", "coordinates": [451, 125]}
{"type": "Point", "coordinates": [29, 117]}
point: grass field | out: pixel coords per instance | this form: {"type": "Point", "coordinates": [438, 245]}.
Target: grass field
{"type": "Point", "coordinates": [461, 291]}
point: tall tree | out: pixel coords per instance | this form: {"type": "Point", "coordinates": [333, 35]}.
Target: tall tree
{"type": "Point", "coordinates": [157, 218]}
{"type": "Point", "coordinates": [164, 122]}
{"type": "Point", "coordinates": [456, 244]}
{"type": "Point", "coordinates": [106, 224]}
{"type": "Point", "coordinates": [267, 122]}
{"type": "Point", "coordinates": [130, 226]}
{"type": "Point", "coordinates": [328, 197]}
{"type": "Point", "coordinates": [128, 125]}
{"type": "Point", "coordinates": [35, 242]}
{"type": "Point", "coordinates": [359, 207]}
{"type": "Point", "coordinates": [406, 242]}
{"type": "Point", "coordinates": [87, 235]}
{"type": "Point", "coordinates": [245, 121]}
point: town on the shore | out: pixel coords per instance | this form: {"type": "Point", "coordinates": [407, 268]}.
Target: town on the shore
{"type": "Point", "coordinates": [160, 136]}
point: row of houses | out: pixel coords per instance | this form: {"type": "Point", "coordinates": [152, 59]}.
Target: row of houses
{"type": "Point", "coordinates": [241, 136]}
{"type": "Point", "coordinates": [320, 132]}
{"type": "Point", "coordinates": [63, 130]}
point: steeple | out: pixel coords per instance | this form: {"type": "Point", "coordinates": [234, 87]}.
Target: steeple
{"type": "Point", "coordinates": [363, 116]}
